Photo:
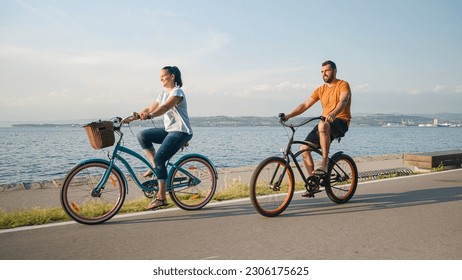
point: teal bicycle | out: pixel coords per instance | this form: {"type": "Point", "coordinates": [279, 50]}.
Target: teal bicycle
{"type": "Point", "coordinates": [95, 189]}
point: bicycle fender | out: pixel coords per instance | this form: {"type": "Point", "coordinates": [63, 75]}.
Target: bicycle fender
{"type": "Point", "coordinates": [170, 173]}
{"type": "Point", "coordinates": [334, 156]}
{"type": "Point", "coordinates": [100, 160]}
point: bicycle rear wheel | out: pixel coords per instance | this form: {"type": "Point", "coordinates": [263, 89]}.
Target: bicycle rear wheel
{"type": "Point", "coordinates": [193, 183]}
{"type": "Point", "coordinates": [272, 186]}
{"type": "Point", "coordinates": [82, 203]}
{"type": "Point", "coordinates": [343, 175]}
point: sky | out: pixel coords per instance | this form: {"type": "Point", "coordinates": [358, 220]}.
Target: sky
{"type": "Point", "coordinates": [66, 60]}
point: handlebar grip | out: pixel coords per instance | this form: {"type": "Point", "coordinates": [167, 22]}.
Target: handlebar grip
{"type": "Point", "coordinates": [282, 117]}
{"type": "Point", "coordinates": [135, 115]}
{"type": "Point", "coordinates": [322, 118]}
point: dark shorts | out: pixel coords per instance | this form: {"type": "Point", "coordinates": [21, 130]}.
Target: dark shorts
{"type": "Point", "coordinates": [338, 128]}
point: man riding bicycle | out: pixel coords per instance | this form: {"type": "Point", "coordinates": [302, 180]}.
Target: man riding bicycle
{"type": "Point", "coordinates": [335, 97]}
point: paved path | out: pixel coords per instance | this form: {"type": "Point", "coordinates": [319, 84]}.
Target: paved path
{"type": "Point", "coordinates": [414, 217]}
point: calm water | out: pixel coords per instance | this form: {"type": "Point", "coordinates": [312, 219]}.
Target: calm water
{"type": "Point", "coordinates": [31, 154]}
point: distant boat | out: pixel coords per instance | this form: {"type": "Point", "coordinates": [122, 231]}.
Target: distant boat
{"type": "Point", "coordinates": [443, 125]}
{"type": "Point", "coordinates": [394, 125]}
{"type": "Point", "coordinates": [408, 123]}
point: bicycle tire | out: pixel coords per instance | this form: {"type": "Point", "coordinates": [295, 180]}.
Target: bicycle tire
{"type": "Point", "coordinates": [84, 207]}
{"type": "Point", "coordinates": [343, 175]}
{"type": "Point", "coordinates": [267, 198]}
{"type": "Point", "coordinates": [193, 195]}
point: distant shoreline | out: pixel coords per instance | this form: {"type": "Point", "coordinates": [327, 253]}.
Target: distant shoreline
{"type": "Point", "coordinates": [385, 120]}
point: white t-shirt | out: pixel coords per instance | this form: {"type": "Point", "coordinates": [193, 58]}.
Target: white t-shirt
{"type": "Point", "coordinates": [175, 119]}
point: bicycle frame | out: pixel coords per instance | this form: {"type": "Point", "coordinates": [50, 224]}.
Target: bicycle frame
{"type": "Point", "coordinates": [116, 155]}
{"type": "Point", "coordinates": [288, 154]}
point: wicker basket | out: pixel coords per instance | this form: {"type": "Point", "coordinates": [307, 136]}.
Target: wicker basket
{"type": "Point", "coordinates": [100, 134]}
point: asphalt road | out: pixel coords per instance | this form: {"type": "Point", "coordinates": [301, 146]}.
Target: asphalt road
{"type": "Point", "coordinates": [414, 217]}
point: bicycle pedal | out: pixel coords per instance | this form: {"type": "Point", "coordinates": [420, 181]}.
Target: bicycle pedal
{"type": "Point", "coordinates": [319, 190]}
{"type": "Point", "coordinates": [308, 194]}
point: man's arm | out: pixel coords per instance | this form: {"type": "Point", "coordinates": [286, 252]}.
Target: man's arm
{"type": "Point", "coordinates": [344, 97]}
{"type": "Point", "coordinates": [301, 108]}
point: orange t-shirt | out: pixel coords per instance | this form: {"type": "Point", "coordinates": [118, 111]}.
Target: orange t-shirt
{"type": "Point", "coordinates": [330, 96]}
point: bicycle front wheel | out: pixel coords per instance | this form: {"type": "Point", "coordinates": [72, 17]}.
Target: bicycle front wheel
{"type": "Point", "coordinates": [343, 175]}
{"type": "Point", "coordinates": [272, 186]}
{"type": "Point", "coordinates": [193, 183]}
{"type": "Point", "coordinates": [80, 200]}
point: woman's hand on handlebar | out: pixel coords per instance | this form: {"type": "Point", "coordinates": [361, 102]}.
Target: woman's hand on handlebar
{"type": "Point", "coordinates": [134, 116]}
{"type": "Point", "coordinates": [144, 116]}
{"type": "Point", "coordinates": [137, 116]}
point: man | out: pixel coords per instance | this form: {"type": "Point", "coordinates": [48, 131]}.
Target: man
{"type": "Point", "coordinates": [335, 97]}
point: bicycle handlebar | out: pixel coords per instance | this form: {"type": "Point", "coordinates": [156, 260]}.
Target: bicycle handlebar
{"type": "Point", "coordinates": [282, 121]}
{"type": "Point", "coordinates": [118, 121]}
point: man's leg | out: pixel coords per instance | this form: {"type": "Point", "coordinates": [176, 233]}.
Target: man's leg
{"type": "Point", "coordinates": [312, 138]}
{"type": "Point", "coordinates": [324, 139]}
{"type": "Point", "coordinates": [307, 160]}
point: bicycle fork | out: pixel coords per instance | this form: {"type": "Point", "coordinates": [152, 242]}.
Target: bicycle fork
{"type": "Point", "coordinates": [96, 191]}
{"type": "Point", "coordinates": [276, 186]}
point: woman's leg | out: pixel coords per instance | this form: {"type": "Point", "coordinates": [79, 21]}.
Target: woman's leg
{"type": "Point", "coordinates": [170, 146]}
{"type": "Point", "coordinates": [146, 138]}
{"type": "Point", "coordinates": [151, 153]}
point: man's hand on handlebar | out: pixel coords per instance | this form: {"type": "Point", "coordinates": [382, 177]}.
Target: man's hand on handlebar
{"type": "Point", "coordinates": [330, 118]}
{"type": "Point", "coordinates": [283, 117]}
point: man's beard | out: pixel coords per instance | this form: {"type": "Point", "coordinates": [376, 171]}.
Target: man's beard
{"type": "Point", "coordinates": [328, 79]}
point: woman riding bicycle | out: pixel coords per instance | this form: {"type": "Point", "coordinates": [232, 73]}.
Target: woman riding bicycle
{"type": "Point", "coordinates": [177, 131]}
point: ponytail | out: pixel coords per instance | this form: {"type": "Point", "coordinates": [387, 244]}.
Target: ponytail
{"type": "Point", "coordinates": [173, 70]}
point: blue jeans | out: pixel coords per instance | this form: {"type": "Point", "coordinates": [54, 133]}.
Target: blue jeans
{"type": "Point", "coordinates": [171, 142]}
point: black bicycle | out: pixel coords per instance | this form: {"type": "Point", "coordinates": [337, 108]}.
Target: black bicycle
{"type": "Point", "coordinates": [272, 185]}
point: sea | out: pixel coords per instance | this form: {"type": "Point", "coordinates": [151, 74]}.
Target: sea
{"type": "Point", "coordinates": [39, 154]}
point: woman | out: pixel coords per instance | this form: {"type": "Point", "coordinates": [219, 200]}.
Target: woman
{"type": "Point", "coordinates": [171, 103]}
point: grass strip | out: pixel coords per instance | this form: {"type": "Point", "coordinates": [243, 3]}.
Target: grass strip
{"type": "Point", "coordinates": [39, 216]}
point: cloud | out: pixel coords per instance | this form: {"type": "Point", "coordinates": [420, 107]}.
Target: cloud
{"type": "Point", "coordinates": [215, 41]}
{"type": "Point", "coordinates": [458, 89]}
{"type": "Point", "coordinates": [66, 97]}
{"type": "Point", "coordinates": [279, 87]}
{"type": "Point", "coordinates": [413, 91]}
{"type": "Point", "coordinates": [361, 88]}
{"type": "Point", "coordinates": [47, 71]}
{"type": "Point", "coordinates": [440, 88]}
{"type": "Point", "coordinates": [277, 90]}
{"type": "Point", "coordinates": [32, 9]}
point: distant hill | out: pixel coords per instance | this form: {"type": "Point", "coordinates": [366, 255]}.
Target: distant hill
{"type": "Point", "coordinates": [445, 117]}
{"type": "Point", "coordinates": [219, 121]}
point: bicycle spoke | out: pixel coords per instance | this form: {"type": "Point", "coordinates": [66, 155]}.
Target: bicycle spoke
{"type": "Point", "coordinates": [82, 203]}
{"type": "Point", "coordinates": [271, 187]}
{"type": "Point", "coordinates": [343, 182]}
{"type": "Point", "coordinates": [201, 182]}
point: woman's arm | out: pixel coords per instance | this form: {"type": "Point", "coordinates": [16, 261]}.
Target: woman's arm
{"type": "Point", "coordinates": [156, 110]}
